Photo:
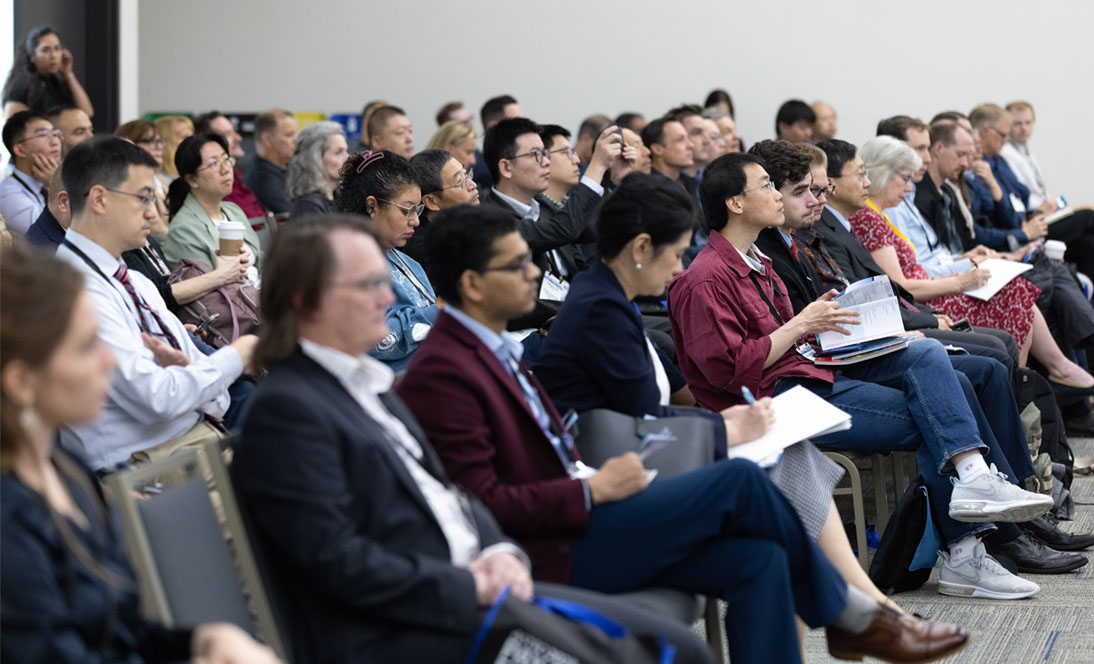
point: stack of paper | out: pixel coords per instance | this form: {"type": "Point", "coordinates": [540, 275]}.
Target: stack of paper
{"type": "Point", "coordinates": [879, 314]}
{"type": "Point", "coordinates": [861, 352]}
{"type": "Point", "coordinates": [799, 414]}
{"type": "Point", "coordinates": [1002, 272]}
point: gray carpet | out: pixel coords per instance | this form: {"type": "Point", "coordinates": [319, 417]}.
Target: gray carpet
{"type": "Point", "coordinates": [1056, 625]}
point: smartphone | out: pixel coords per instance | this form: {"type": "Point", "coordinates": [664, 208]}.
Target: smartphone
{"type": "Point", "coordinates": [206, 323]}
{"type": "Point", "coordinates": [619, 130]}
{"type": "Point", "coordinates": [962, 325]}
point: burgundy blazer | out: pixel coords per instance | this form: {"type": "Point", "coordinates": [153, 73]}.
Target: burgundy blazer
{"type": "Point", "coordinates": [474, 413]}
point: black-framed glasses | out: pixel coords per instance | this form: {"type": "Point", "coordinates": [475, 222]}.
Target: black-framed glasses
{"type": "Point", "coordinates": [44, 133]}
{"type": "Point", "coordinates": [372, 285]}
{"type": "Point", "coordinates": [410, 210]}
{"type": "Point", "coordinates": [216, 162]}
{"type": "Point", "coordinates": [770, 185]}
{"type": "Point", "coordinates": [570, 153]}
{"type": "Point", "coordinates": [524, 267]}
{"type": "Point", "coordinates": [146, 199]}
{"type": "Point", "coordinates": [465, 177]}
{"type": "Point", "coordinates": [539, 154]}
{"type": "Point", "coordinates": [826, 191]}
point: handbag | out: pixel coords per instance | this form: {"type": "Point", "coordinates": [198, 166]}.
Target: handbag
{"type": "Point", "coordinates": [670, 445]}
{"type": "Point", "coordinates": [548, 630]}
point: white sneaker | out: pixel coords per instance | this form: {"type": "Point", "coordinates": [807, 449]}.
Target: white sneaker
{"type": "Point", "coordinates": [982, 576]}
{"type": "Point", "coordinates": [990, 497]}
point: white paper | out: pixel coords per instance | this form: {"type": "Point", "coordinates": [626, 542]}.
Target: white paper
{"type": "Point", "coordinates": [799, 414]}
{"type": "Point", "coordinates": [1002, 272]}
{"type": "Point", "coordinates": [879, 313]}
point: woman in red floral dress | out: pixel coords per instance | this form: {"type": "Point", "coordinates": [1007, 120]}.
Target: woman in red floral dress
{"type": "Point", "coordinates": [893, 166]}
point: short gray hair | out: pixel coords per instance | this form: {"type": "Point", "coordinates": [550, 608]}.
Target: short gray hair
{"type": "Point", "coordinates": [305, 174]}
{"type": "Point", "coordinates": [883, 156]}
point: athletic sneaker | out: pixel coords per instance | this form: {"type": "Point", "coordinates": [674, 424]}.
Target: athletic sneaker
{"type": "Point", "coordinates": [982, 576]}
{"type": "Point", "coordinates": [990, 497]}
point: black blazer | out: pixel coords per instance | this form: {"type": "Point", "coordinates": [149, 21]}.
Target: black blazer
{"type": "Point", "coordinates": [363, 562]}
{"type": "Point", "coordinates": [802, 282]}
{"type": "Point", "coordinates": [857, 263]}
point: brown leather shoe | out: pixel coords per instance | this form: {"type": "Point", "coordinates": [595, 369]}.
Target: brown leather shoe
{"type": "Point", "coordinates": [893, 637]}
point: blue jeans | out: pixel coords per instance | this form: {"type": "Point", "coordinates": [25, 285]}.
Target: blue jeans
{"type": "Point", "coordinates": [914, 401]}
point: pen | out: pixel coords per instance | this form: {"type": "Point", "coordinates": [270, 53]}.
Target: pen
{"type": "Point", "coordinates": [747, 394]}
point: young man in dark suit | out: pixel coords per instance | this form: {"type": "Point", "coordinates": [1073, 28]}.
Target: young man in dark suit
{"type": "Point", "coordinates": [724, 529]}
{"type": "Point", "coordinates": [381, 557]}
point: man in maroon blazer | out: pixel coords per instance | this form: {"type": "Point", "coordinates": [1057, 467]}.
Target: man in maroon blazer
{"type": "Point", "coordinates": [723, 530]}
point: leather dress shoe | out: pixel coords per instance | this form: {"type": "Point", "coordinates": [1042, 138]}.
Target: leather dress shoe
{"type": "Point", "coordinates": [1046, 528]}
{"type": "Point", "coordinates": [893, 637]}
{"type": "Point", "coordinates": [1032, 556]}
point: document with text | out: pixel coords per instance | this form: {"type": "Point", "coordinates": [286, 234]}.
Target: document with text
{"type": "Point", "coordinates": [879, 314]}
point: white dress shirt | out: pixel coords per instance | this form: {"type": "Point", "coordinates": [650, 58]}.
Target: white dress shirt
{"type": "Point", "coordinates": [366, 379]}
{"type": "Point", "coordinates": [1025, 166]}
{"type": "Point", "coordinates": [148, 404]}
{"type": "Point", "coordinates": [21, 201]}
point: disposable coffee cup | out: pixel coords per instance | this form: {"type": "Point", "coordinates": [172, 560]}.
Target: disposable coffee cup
{"type": "Point", "coordinates": [231, 238]}
{"type": "Point", "coordinates": [1055, 250]}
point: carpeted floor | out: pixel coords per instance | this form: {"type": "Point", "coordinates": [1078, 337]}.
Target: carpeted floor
{"type": "Point", "coordinates": [1056, 625]}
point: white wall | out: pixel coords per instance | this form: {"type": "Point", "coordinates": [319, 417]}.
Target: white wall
{"type": "Point", "coordinates": [568, 58]}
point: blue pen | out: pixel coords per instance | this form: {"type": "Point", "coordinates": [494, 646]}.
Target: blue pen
{"type": "Point", "coordinates": [747, 394]}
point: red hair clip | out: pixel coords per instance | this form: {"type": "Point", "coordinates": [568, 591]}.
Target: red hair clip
{"type": "Point", "coordinates": [368, 157]}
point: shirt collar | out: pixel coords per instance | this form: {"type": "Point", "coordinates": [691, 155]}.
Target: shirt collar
{"type": "Point", "coordinates": [359, 372]}
{"type": "Point", "coordinates": [839, 217]}
{"type": "Point", "coordinates": [503, 345]}
{"type": "Point", "coordinates": [740, 262]}
{"type": "Point", "coordinates": [101, 257]}
{"type": "Point", "coordinates": [525, 211]}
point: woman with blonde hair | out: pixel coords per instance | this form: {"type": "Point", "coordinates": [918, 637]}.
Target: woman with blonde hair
{"type": "Point", "coordinates": [67, 590]}
{"type": "Point", "coordinates": [174, 129]}
{"type": "Point", "coordinates": [458, 139]}
{"type": "Point", "coordinates": [143, 134]}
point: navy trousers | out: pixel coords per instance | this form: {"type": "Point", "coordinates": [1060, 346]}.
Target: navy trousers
{"type": "Point", "coordinates": [723, 530]}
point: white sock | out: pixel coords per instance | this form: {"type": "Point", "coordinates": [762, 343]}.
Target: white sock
{"type": "Point", "coordinates": [970, 467]}
{"type": "Point", "coordinates": [963, 550]}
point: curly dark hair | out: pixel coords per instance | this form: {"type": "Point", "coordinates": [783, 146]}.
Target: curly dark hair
{"type": "Point", "coordinates": [383, 178]}
{"type": "Point", "coordinates": [785, 161]}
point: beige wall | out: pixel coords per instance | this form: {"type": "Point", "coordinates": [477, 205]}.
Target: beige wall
{"type": "Point", "coordinates": [568, 58]}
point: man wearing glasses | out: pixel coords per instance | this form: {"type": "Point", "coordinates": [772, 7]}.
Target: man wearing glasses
{"type": "Point", "coordinates": [445, 183]}
{"type": "Point", "coordinates": [164, 388]}
{"type": "Point", "coordinates": [35, 149]}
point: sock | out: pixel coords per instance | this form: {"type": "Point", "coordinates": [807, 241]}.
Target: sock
{"type": "Point", "coordinates": [970, 467]}
{"type": "Point", "coordinates": [858, 613]}
{"type": "Point", "coordinates": [963, 550]}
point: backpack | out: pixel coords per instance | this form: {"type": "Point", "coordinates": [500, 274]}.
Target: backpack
{"type": "Point", "coordinates": [1031, 387]}
{"type": "Point", "coordinates": [908, 549]}
{"type": "Point", "coordinates": [237, 305]}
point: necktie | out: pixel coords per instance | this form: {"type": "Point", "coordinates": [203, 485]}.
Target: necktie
{"type": "Point", "coordinates": [122, 275]}
{"type": "Point", "coordinates": [794, 250]}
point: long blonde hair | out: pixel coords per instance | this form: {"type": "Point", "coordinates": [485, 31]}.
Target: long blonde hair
{"type": "Point", "coordinates": [450, 133]}
{"type": "Point", "coordinates": [166, 127]}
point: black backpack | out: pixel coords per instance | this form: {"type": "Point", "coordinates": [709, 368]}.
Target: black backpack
{"type": "Point", "coordinates": [891, 568]}
{"type": "Point", "coordinates": [1030, 386]}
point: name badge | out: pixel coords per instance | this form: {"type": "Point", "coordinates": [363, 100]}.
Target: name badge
{"type": "Point", "coordinates": [552, 288]}
{"type": "Point", "coordinates": [1017, 203]}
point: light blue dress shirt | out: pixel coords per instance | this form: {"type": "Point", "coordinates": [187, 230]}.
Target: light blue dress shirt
{"type": "Point", "coordinates": [931, 253]}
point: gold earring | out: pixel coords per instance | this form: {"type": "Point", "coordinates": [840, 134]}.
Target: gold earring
{"type": "Point", "coordinates": [28, 417]}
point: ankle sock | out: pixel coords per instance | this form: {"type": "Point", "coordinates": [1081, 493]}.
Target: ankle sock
{"type": "Point", "coordinates": [963, 550]}
{"type": "Point", "coordinates": [971, 467]}
{"type": "Point", "coordinates": [858, 613]}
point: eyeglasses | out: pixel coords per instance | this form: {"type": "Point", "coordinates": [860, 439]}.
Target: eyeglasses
{"type": "Point", "coordinates": [145, 199]}
{"type": "Point", "coordinates": [907, 178]}
{"type": "Point", "coordinates": [570, 153]}
{"type": "Point", "coordinates": [410, 210]}
{"type": "Point", "coordinates": [538, 154]}
{"type": "Point", "coordinates": [44, 133]}
{"type": "Point", "coordinates": [216, 163]}
{"type": "Point", "coordinates": [524, 267]}
{"type": "Point", "coordinates": [151, 141]}
{"type": "Point", "coordinates": [371, 285]}
{"type": "Point", "coordinates": [770, 185]}
{"type": "Point", "coordinates": [825, 191]}
{"type": "Point", "coordinates": [465, 177]}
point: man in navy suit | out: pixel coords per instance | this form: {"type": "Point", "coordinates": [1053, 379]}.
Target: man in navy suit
{"type": "Point", "coordinates": [722, 530]}
{"type": "Point", "coordinates": [380, 557]}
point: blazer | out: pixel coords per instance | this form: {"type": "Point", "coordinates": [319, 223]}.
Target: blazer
{"type": "Point", "coordinates": [857, 263]}
{"type": "Point", "coordinates": [803, 284]}
{"type": "Point", "coordinates": [474, 412]}
{"type": "Point", "coordinates": [361, 558]}
{"type": "Point", "coordinates": [193, 234]}
{"type": "Point", "coordinates": [267, 180]}
{"type": "Point", "coordinates": [45, 232]}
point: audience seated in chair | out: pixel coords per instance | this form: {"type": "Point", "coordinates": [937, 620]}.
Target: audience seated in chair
{"type": "Point", "coordinates": [459, 140]}
{"type": "Point", "coordinates": [314, 169]}
{"type": "Point", "coordinates": [389, 129]}
{"type": "Point", "coordinates": [826, 125]}
{"type": "Point", "coordinates": [74, 124]}
{"type": "Point", "coordinates": [215, 122]}
{"type": "Point", "coordinates": [35, 149]}
{"type": "Point", "coordinates": [49, 229]}
{"type": "Point", "coordinates": [445, 183]}
{"type": "Point", "coordinates": [275, 139]}
{"type": "Point", "coordinates": [174, 129]}
{"type": "Point", "coordinates": [794, 122]}
{"type": "Point", "coordinates": [143, 134]}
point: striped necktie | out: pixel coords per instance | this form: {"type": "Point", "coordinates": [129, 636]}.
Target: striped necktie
{"type": "Point", "coordinates": [122, 275]}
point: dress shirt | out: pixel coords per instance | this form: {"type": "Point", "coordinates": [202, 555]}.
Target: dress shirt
{"type": "Point", "coordinates": [21, 201]}
{"type": "Point", "coordinates": [1028, 171]}
{"type": "Point", "coordinates": [148, 404]}
{"type": "Point", "coordinates": [722, 325]}
{"type": "Point", "coordinates": [839, 217]}
{"type": "Point", "coordinates": [933, 254]}
{"type": "Point", "coordinates": [366, 379]}
{"type": "Point", "coordinates": [509, 351]}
